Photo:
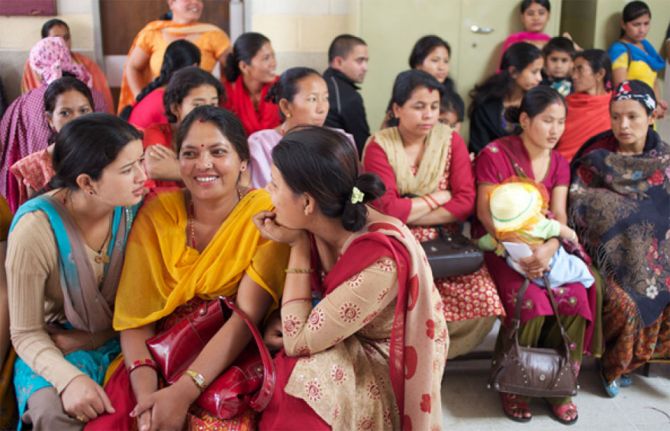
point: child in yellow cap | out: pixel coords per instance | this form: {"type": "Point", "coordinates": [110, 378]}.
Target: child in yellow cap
{"type": "Point", "coordinates": [518, 209]}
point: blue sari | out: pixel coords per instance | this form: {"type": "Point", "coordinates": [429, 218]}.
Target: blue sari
{"type": "Point", "coordinates": [93, 363]}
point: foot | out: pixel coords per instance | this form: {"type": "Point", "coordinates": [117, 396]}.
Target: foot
{"type": "Point", "coordinates": [515, 407]}
{"type": "Point", "coordinates": [625, 380]}
{"type": "Point", "coordinates": [564, 413]}
{"type": "Point", "coordinates": [611, 388]}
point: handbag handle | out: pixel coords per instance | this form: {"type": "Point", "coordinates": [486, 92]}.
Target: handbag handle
{"type": "Point", "coordinates": [264, 395]}
{"type": "Point", "coordinates": [554, 307]}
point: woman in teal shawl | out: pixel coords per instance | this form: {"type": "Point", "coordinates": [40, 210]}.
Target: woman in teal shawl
{"type": "Point", "coordinates": [65, 253]}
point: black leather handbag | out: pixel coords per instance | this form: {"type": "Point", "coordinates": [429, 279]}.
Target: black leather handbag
{"type": "Point", "coordinates": [452, 254]}
{"type": "Point", "coordinates": [533, 371]}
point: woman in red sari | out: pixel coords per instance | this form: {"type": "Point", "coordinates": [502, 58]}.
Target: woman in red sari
{"type": "Point", "coordinates": [370, 354]}
{"type": "Point", "coordinates": [531, 154]}
{"type": "Point", "coordinates": [249, 74]}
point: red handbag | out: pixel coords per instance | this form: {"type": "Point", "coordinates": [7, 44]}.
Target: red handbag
{"type": "Point", "coordinates": [248, 382]}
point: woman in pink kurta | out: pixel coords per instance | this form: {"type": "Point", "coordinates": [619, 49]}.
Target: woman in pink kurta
{"type": "Point", "coordinates": [440, 179]}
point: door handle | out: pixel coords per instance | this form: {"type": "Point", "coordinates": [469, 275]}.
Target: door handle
{"type": "Point", "coordinates": [480, 30]}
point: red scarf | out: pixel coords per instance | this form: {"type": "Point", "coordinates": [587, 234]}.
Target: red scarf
{"type": "Point", "coordinates": [239, 103]}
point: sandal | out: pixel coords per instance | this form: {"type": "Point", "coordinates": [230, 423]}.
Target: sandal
{"type": "Point", "coordinates": [611, 388]}
{"type": "Point", "coordinates": [625, 380]}
{"type": "Point", "coordinates": [515, 407]}
{"type": "Point", "coordinates": [563, 412]}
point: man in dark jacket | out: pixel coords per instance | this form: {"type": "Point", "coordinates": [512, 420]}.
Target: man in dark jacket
{"type": "Point", "coordinates": [348, 63]}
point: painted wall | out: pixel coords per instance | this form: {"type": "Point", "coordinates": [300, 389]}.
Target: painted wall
{"type": "Point", "coordinates": [19, 34]}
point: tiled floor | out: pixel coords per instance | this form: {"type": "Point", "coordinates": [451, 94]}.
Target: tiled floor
{"type": "Point", "coordinates": [469, 406]}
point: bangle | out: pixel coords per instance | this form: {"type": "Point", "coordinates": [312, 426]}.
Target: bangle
{"type": "Point", "coordinates": [298, 270]}
{"type": "Point", "coordinates": [432, 199]}
{"type": "Point", "coordinates": [296, 299]}
{"type": "Point", "coordinates": [197, 378]}
{"type": "Point", "coordinates": [148, 362]}
{"type": "Point", "coordinates": [430, 206]}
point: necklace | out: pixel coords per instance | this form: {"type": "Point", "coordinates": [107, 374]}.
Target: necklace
{"type": "Point", "coordinates": [101, 256]}
{"type": "Point", "coordinates": [190, 221]}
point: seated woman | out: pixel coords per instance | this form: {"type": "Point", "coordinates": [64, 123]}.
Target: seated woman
{"type": "Point", "coordinates": [349, 362]}
{"type": "Point", "coordinates": [302, 96]}
{"type": "Point", "coordinates": [66, 98]}
{"type": "Point", "coordinates": [64, 261]}
{"type": "Point", "coordinates": [249, 74]}
{"type": "Point", "coordinates": [189, 246]}
{"type": "Point", "coordinates": [619, 206]}
{"type": "Point", "coordinates": [530, 154]}
{"type": "Point", "coordinates": [432, 54]}
{"type": "Point", "coordinates": [188, 88]}
{"type": "Point", "coordinates": [520, 71]}
{"type": "Point", "coordinates": [146, 53]}
{"type": "Point", "coordinates": [58, 28]}
{"type": "Point", "coordinates": [589, 105]}
{"type": "Point", "coordinates": [24, 129]}
{"type": "Point", "coordinates": [148, 107]}
{"type": "Point", "coordinates": [427, 160]}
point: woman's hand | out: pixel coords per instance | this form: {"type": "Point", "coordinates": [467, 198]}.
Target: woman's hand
{"type": "Point", "coordinates": [661, 109]}
{"type": "Point", "coordinates": [168, 407]}
{"type": "Point", "coordinates": [536, 265]}
{"type": "Point", "coordinates": [272, 336]}
{"type": "Point", "coordinates": [161, 163]}
{"type": "Point", "coordinates": [270, 229]}
{"type": "Point", "coordinates": [69, 340]}
{"type": "Point", "coordinates": [85, 400]}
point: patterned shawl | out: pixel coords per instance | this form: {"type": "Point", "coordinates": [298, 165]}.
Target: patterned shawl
{"type": "Point", "coordinates": [418, 351]}
{"type": "Point", "coordinates": [619, 205]}
{"type": "Point", "coordinates": [431, 169]}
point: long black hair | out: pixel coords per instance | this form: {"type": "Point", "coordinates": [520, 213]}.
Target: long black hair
{"type": "Point", "coordinates": [179, 54]}
{"type": "Point", "coordinates": [87, 145]}
{"type": "Point", "coordinates": [633, 11]}
{"type": "Point", "coordinates": [497, 86]}
{"type": "Point", "coordinates": [182, 82]}
{"type": "Point", "coordinates": [323, 163]}
{"type": "Point", "coordinates": [244, 49]}
{"type": "Point", "coordinates": [286, 86]}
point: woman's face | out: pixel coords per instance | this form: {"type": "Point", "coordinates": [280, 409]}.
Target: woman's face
{"type": "Point", "coordinates": [544, 129]}
{"type": "Point", "coordinates": [637, 29]}
{"type": "Point", "coordinates": [289, 207]}
{"type": "Point", "coordinates": [199, 96]}
{"type": "Point", "coordinates": [69, 105]}
{"type": "Point", "coordinates": [208, 162]}
{"type": "Point", "coordinates": [437, 63]}
{"type": "Point", "coordinates": [583, 78]}
{"type": "Point", "coordinates": [122, 181]}
{"type": "Point", "coordinates": [185, 11]}
{"type": "Point", "coordinates": [62, 32]}
{"type": "Point", "coordinates": [419, 113]}
{"type": "Point", "coordinates": [630, 122]}
{"type": "Point", "coordinates": [529, 77]}
{"type": "Point", "coordinates": [535, 18]}
{"type": "Point", "coordinates": [262, 66]}
{"type": "Point", "coordinates": [310, 105]}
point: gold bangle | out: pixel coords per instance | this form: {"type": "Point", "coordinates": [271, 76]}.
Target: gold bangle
{"type": "Point", "coordinates": [198, 379]}
{"type": "Point", "coordinates": [298, 270]}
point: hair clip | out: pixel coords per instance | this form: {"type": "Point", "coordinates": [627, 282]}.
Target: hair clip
{"type": "Point", "coordinates": [357, 196]}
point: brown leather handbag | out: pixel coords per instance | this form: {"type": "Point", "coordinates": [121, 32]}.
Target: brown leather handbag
{"type": "Point", "coordinates": [452, 254]}
{"type": "Point", "coordinates": [248, 383]}
{"type": "Point", "coordinates": [533, 371]}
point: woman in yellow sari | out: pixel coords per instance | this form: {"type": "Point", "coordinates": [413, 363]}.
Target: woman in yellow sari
{"type": "Point", "coordinates": [146, 53]}
{"type": "Point", "coordinates": [190, 246]}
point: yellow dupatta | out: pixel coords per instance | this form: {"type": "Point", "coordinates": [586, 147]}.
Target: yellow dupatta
{"type": "Point", "coordinates": [162, 273]}
{"type": "Point", "coordinates": [433, 162]}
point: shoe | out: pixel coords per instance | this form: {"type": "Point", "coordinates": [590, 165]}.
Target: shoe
{"type": "Point", "coordinates": [625, 380]}
{"type": "Point", "coordinates": [512, 404]}
{"type": "Point", "coordinates": [611, 388]}
{"type": "Point", "coordinates": [562, 412]}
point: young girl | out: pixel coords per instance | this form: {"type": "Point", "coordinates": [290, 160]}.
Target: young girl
{"type": "Point", "coordinates": [633, 56]}
{"type": "Point", "coordinates": [534, 17]}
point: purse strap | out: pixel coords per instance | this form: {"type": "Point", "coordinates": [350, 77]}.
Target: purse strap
{"type": "Point", "coordinates": [554, 306]}
{"type": "Point", "coordinates": [264, 394]}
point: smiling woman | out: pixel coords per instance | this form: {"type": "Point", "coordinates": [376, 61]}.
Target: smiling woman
{"type": "Point", "coordinates": [188, 247]}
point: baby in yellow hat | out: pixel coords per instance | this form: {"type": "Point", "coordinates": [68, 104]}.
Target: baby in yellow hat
{"type": "Point", "coordinates": [518, 209]}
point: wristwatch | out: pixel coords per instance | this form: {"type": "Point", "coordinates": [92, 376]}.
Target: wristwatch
{"type": "Point", "coordinates": [197, 378]}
